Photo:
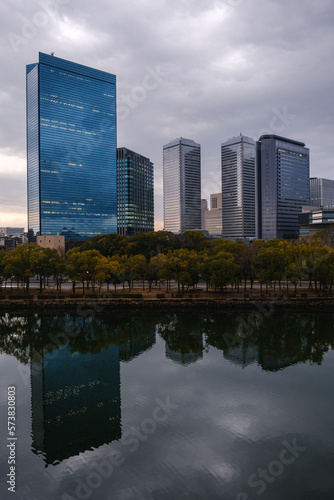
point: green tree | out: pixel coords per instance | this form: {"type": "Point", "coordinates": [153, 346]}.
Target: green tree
{"type": "Point", "coordinates": [182, 265]}
{"type": "Point", "coordinates": [195, 240]}
{"type": "Point", "coordinates": [109, 270]}
{"type": "Point", "coordinates": [109, 245]}
{"type": "Point", "coordinates": [154, 268]}
{"type": "Point", "coordinates": [3, 275]}
{"type": "Point", "coordinates": [133, 268]}
{"type": "Point", "coordinates": [271, 262]}
{"type": "Point", "coordinates": [223, 270]}
{"type": "Point", "coordinates": [246, 261]}
{"type": "Point", "coordinates": [20, 263]}
{"type": "Point", "coordinates": [74, 264]}
{"type": "Point", "coordinates": [46, 262]}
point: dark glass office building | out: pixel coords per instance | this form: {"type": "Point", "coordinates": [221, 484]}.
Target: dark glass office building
{"type": "Point", "coordinates": [284, 173]}
{"type": "Point", "coordinates": [71, 149]}
{"type": "Point", "coordinates": [135, 212]}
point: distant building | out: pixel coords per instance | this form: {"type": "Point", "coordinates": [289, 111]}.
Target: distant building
{"type": "Point", "coordinates": [321, 192]}
{"type": "Point", "coordinates": [71, 149]}
{"type": "Point", "coordinates": [54, 242]}
{"type": "Point", "coordinates": [312, 220]}
{"type": "Point", "coordinates": [25, 238]}
{"type": "Point", "coordinates": [182, 185]}
{"type": "Point", "coordinates": [12, 231]}
{"type": "Point", "coordinates": [284, 186]}
{"type": "Point", "coordinates": [213, 217]}
{"type": "Point", "coordinates": [7, 243]}
{"type": "Point", "coordinates": [135, 197]}
{"type": "Point", "coordinates": [204, 209]}
{"type": "Point", "coordinates": [238, 161]}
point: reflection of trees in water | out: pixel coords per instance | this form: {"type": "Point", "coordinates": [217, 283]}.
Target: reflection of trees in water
{"type": "Point", "coordinates": [182, 332]}
{"type": "Point", "coordinates": [302, 337]}
{"type": "Point", "coordinates": [284, 336]}
{"type": "Point", "coordinates": [15, 334]}
{"type": "Point", "coordinates": [30, 336]}
{"type": "Point", "coordinates": [278, 340]}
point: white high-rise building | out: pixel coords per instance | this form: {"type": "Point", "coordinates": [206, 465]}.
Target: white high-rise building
{"type": "Point", "coordinates": [239, 212]}
{"type": "Point", "coordinates": [182, 185]}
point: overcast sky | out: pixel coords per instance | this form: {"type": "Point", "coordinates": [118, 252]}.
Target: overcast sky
{"type": "Point", "coordinates": [205, 70]}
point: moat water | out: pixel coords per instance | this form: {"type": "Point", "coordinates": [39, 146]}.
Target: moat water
{"type": "Point", "coordinates": [154, 405]}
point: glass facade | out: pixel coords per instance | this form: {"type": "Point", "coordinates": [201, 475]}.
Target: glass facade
{"type": "Point", "coordinates": [182, 185]}
{"type": "Point", "coordinates": [317, 219]}
{"type": "Point", "coordinates": [135, 212]}
{"type": "Point", "coordinates": [238, 159]}
{"type": "Point", "coordinates": [285, 186]}
{"type": "Point", "coordinates": [71, 149]}
{"type": "Point", "coordinates": [321, 192]}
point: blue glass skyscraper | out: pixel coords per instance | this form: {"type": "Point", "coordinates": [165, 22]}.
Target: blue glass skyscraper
{"type": "Point", "coordinates": [71, 149]}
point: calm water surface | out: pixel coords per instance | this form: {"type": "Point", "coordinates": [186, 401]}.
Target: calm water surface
{"type": "Point", "coordinates": [161, 406]}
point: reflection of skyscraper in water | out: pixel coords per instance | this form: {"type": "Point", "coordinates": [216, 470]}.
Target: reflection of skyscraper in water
{"type": "Point", "coordinates": [246, 354]}
{"type": "Point", "coordinates": [137, 346]}
{"type": "Point", "coordinates": [76, 397]}
{"type": "Point", "coordinates": [242, 354]}
{"type": "Point", "coordinates": [76, 402]}
{"type": "Point", "coordinates": [183, 358]}
{"type": "Point", "coordinates": [269, 362]}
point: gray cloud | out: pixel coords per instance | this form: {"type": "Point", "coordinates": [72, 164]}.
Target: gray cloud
{"type": "Point", "coordinates": [228, 66]}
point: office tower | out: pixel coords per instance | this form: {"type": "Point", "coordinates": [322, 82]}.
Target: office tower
{"type": "Point", "coordinates": [238, 157]}
{"type": "Point", "coordinates": [135, 210]}
{"type": "Point", "coordinates": [204, 209]}
{"type": "Point", "coordinates": [71, 149]}
{"type": "Point", "coordinates": [213, 217]}
{"type": "Point", "coordinates": [284, 185]}
{"type": "Point", "coordinates": [315, 219]}
{"type": "Point", "coordinates": [321, 192]}
{"type": "Point", "coordinates": [12, 231]}
{"type": "Point", "coordinates": [182, 185]}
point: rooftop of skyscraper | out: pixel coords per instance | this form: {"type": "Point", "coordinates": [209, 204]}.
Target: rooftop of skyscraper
{"type": "Point", "coordinates": [279, 138]}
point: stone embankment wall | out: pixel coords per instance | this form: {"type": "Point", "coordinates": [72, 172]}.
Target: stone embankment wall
{"type": "Point", "coordinates": [305, 304]}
